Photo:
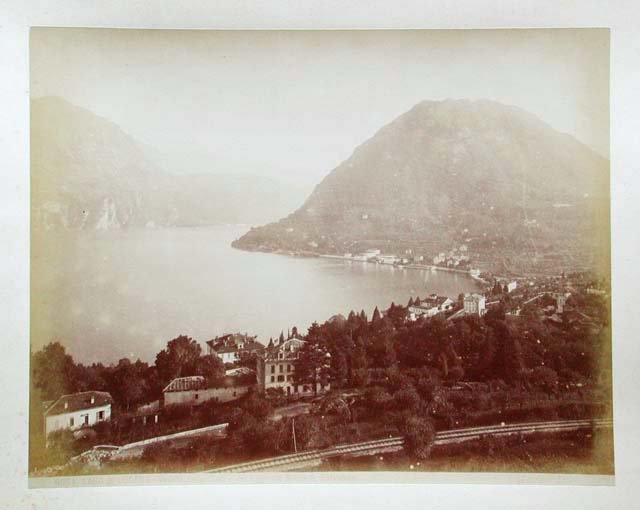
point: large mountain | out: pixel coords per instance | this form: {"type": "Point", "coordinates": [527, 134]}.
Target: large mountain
{"type": "Point", "coordinates": [516, 192]}
{"type": "Point", "coordinates": [88, 173]}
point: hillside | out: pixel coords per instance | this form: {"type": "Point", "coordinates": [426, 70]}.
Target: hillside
{"type": "Point", "coordinates": [87, 173]}
{"type": "Point", "coordinates": [517, 193]}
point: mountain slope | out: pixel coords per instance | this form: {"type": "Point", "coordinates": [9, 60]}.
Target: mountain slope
{"type": "Point", "coordinates": [87, 173]}
{"type": "Point", "coordinates": [444, 173]}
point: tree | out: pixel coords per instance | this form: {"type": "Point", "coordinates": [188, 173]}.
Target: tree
{"type": "Point", "coordinates": [178, 359]}
{"type": "Point", "coordinates": [53, 371]}
{"type": "Point", "coordinates": [376, 316]}
{"type": "Point", "coordinates": [509, 362]}
{"type": "Point", "coordinates": [359, 362]}
{"type": "Point", "coordinates": [339, 369]}
{"type": "Point", "coordinates": [419, 435]}
{"type": "Point", "coordinates": [210, 367]}
{"type": "Point", "coordinates": [127, 384]}
{"type": "Point", "coordinates": [495, 313]}
{"type": "Point", "coordinates": [313, 365]}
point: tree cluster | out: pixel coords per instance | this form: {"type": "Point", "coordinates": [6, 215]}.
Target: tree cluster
{"type": "Point", "coordinates": [130, 383]}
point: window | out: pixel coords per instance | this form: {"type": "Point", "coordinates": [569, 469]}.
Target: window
{"type": "Point", "coordinates": [196, 396]}
{"type": "Point", "coordinates": [281, 367]}
{"type": "Point", "coordinates": [71, 422]}
{"type": "Point", "coordinates": [86, 419]}
{"type": "Point", "coordinates": [273, 378]}
{"type": "Point", "coordinates": [288, 368]}
{"type": "Point", "coordinates": [273, 369]}
{"type": "Point", "coordinates": [281, 378]}
{"type": "Point", "coordinates": [100, 416]}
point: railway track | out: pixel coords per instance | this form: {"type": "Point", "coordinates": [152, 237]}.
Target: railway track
{"type": "Point", "coordinates": [291, 461]}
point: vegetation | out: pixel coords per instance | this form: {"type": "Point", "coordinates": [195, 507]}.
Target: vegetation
{"type": "Point", "coordinates": [388, 376]}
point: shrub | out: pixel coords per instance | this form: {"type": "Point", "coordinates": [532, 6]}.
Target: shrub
{"type": "Point", "coordinates": [419, 435]}
{"type": "Point", "coordinates": [377, 399]}
{"type": "Point", "coordinates": [406, 399]}
{"type": "Point", "coordinates": [176, 412]}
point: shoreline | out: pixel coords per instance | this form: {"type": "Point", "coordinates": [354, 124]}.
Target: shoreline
{"type": "Point", "coordinates": [421, 267]}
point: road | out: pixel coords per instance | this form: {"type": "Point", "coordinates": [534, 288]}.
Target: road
{"type": "Point", "coordinates": [315, 457]}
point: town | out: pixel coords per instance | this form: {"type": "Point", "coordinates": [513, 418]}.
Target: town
{"type": "Point", "coordinates": [520, 349]}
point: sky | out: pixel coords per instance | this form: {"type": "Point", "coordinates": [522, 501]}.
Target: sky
{"type": "Point", "coordinates": [295, 104]}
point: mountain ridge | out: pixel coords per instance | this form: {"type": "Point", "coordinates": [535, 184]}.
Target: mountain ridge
{"type": "Point", "coordinates": [88, 173]}
{"type": "Point", "coordinates": [453, 172]}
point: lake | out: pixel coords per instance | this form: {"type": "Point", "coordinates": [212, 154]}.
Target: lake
{"type": "Point", "coordinates": [108, 295]}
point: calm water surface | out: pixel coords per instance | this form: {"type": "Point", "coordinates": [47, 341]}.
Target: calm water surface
{"type": "Point", "coordinates": [108, 295]}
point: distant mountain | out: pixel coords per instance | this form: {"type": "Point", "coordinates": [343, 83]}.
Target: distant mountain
{"type": "Point", "coordinates": [479, 173]}
{"type": "Point", "coordinates": [86, 173]}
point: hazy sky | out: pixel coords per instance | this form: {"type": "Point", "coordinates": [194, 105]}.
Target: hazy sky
{"type": "Point", "coordinates": [296, 104]}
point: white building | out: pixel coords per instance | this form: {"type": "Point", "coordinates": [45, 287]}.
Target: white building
{"type": "Point", "coordinates": [430, 306]}
{"type": "Point", "coordinates": [77, 410]}
{"type": "Point", "coordinates": [475, 304]}
{"type": "Point", "coordinates": [277, 368]}
{"type": "Point", "coordinates": [231, 347]}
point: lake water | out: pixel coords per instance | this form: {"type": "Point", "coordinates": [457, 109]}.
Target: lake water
{"type": "Point", "coordinates": [108, 295]}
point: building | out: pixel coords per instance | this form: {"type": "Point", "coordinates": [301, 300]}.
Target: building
{"type": "Point", "coordinates": [474, 304]}
{"type": "Point", "coordinates": [231, 347]}
{"type": "Point", "coordinates": [239, 371]}
{"type": "Point", "coordinates": [429, 306]}
{"type": "Point", "coordinates": [511, 286]}
{"type": "Point", "coordinates": [561, 300]}
{"type": "Point", "coordinates": [367, 255]}
{"type": "Point", "coordinates": [194, 390]}
{"type": "Point", "coordinates": [77, 410]}
{"type": "Point", "coordinates": [388, 259]}
{"type": "Point", "coordinates": [277, 367]}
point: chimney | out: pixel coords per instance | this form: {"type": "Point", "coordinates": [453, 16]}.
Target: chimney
{"type": "Point", "coordinates": [93, 399]}
{"type": "Point", "coordinates": [66, 405]}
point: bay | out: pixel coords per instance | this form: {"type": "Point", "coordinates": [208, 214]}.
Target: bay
{"type": "Point", "coordinates": [106, 295]}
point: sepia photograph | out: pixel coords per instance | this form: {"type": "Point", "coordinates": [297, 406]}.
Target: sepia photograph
{"type": "Point", "coordinates": [319, 251]}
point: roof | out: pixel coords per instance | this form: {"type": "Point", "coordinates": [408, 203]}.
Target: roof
{"type": "Point", "coordinates": [239, 371]}
{"type": "Point", "coordinates": [78, 402]}
{"type": "Point", "coordinates": [230, 342]}
{"type": "Point", "coordinates": [287, 348]}
{"type": "Point", "coordinates": [194, 382]}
